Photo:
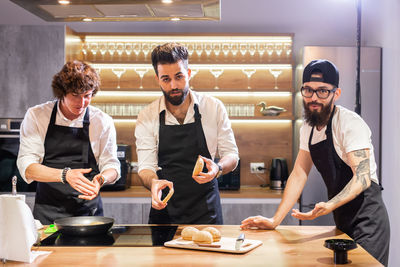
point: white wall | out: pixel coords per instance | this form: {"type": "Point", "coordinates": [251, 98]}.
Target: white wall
{"type": "Point", "coordinates": [382, 27]}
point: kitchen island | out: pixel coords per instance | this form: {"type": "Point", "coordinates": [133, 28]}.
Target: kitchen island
{"type": "Point", "coordinates": [285, 246]}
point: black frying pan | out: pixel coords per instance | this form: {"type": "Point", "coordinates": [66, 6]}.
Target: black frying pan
{"type": "Point", "coordinates": [84, 225]}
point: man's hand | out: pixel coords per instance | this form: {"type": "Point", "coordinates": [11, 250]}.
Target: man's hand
{"type": "Point", "coordinates": [80, 183]}
{"type": "Point", "coordinates": [205, 177]}
{"type": "Point", "coordinates": [156, 191]}
{"type": "Point", "coordinates": [97, 182]}
{"type": "Point", "coordinates": [259, 222]}
{"type": "Point", "coordinates": [321, 208]}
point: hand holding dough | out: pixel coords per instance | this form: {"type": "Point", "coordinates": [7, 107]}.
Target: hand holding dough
{"type": "Point", "coordinates": [170, 193]}
{"type": "Point", "coordinates": [198, 167]}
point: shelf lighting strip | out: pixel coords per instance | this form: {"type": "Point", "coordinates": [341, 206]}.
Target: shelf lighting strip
{"type": "Point", "coordinates": [199, 66]}
{"type": "Point", "coordinates": [202, 39]}
{"type": "Point", "coordinates": [252, 121]}
{"type": "Point", "coordinates": [212, 93]}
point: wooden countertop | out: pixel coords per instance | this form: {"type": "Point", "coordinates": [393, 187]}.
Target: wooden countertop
{"type": "Point", "coordinates": [243, 192]}
{"type": "Point", "coordinates": [285, 246]}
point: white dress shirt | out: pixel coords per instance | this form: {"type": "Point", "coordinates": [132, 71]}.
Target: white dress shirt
{"type": "Point", "coordinates": [214, 119]}
{"type": "Point", "coordinates": [102, 136]}
{"type": "Point", "coordinates": [349, 133]}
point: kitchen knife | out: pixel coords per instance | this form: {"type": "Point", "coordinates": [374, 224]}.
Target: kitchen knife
{"type": "Point", "coordinates": [239, 241]}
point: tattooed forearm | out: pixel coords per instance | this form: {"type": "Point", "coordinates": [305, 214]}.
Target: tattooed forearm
{"type": "Point", "coordinates": [360, 153]}
{"type": "Point", "coordinates": [363, 173]}
{"type": "Point", "coordinates": [342, 194]}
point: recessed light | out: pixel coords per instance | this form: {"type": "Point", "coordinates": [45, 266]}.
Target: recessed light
{"type": "Point", "coordinates": [87, 19]}
{"type": "Point", "coordinates": [166, 1]}
{"type": "Point", "coordinates": [175, 19]}
{"type": "Point", "coordinates": [64, 2]}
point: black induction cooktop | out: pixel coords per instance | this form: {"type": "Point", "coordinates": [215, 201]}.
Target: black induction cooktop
{"type": "Point", "coordinates": [118, 236]}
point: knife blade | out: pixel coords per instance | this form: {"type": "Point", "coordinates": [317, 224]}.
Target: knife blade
{"type": "Point", "coordinates": [239, 241]}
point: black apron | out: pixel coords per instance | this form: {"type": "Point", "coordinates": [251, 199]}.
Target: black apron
{"type": "Point", "coordinates": [364, 218]}
{"type": "Point", "coordinates": [178, 149]}
{"type": "Point", "coordinates": [66, 147]}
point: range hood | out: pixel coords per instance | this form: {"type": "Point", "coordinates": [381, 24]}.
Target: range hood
{"type": "Point", "coordinates": [123, 10]}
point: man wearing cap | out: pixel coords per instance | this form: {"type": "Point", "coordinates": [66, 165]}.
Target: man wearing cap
{"type": "Point", "coordinates": [338, 142]}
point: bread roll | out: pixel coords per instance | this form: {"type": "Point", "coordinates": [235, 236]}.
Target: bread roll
{"type": "Point", "coordinates": [198, 167]}
{"type": "Point", "coordinates": [188, 232]}
{"type": "Point", "coordinates": [216, 234]}
{"type": "Point", "coordinates": [170, 193]}
{"type": "Point", "coordinates": [202, 237]}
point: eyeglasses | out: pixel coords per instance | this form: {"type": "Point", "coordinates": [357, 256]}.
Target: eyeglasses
{"type": "Point", "coordinates": [322, 93]}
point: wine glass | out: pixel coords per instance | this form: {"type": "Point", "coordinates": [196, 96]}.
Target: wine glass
{"type": "Point", "coordinates": [118, 72]}
{"type": "Point", "coordinates": [128, 49]}
{"type": "Point", "coordinates": [192, 74]}
{"type": "Point", "coordinates": [120, 49]}
{"type": "Point", "coordinates": [225, 49]}
{"type": "Point", "coordinates": [275, 73]}
{"type": "Point", "coordinates": [136, 49]}
{"type": "Point", "coordinates": [217, 49]}
{"type": "Point", "coordinates": [111, 49]}
{"type": "Point", "coordinates": [141, 72]}
{"type": "Point", "coordinates": [288, 48]}
{"type": "Point", "coordinates": [261, 50]}
{"type": "Point", "coordinates": [190, 49]}
{"type": "Point", "coordinates": [249, 73]}
{"type": "Point", "coordinates": [243, 49]}
{"type": "Point", "coordinates": [278, 49]}
{"type": "Point", "coordinates": [93, 49]}
{"type": "Point", "coordinates": [252, 49]}
{"type": "Point", "coordinates": [216, 73]}
{"type": "Point", "coordinates": [103, 49]}
{"type": "Point", "coordinates": [85, 49]}
{"type": "Point", "coordinates": [270, 49]}
{"type": "Point", "coordinates": [146, 50]}
{"type": "Point", "coordinates": [199, 50]}
{"type": "Point", "coordinates": [208, 49]}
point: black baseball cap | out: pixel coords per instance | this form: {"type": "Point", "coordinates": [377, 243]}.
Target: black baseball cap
{"type": "Point", "coordinates": [330, 74]}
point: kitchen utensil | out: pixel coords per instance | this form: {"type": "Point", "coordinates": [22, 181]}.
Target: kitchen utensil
{"type": "Point", "coordinates": [14, 186]}
{"type": "Point", "coordinates": [340, 248]}
{"type": "Point", "coordinates": [84, 225]}
{"type": "Point", "coordinates": [225, 245]}
{"type": "Point", "coordinates": [239, 241]}
{"type": "Point", "coordinates": [278, 173]}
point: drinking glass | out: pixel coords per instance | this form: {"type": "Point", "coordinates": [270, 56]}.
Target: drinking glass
{"type": "Point", "coordinates": [216, 73]}
{"type": "Point", "coordinates": [252, 49]}
{"type": "Point", "coordinates": [128, 49]}
{"type": "Point", "coordinates": [85, 49]}
{"type": "Point", "coordinates": [275, 73]}
{"type": "Point", "coordinates": [278, 49]}
{"type": "Point", "coordinates": [288, 48]}
{"type": "Point", "coordinates": [270, 49]}
{"type": "Point", "coordinates": [190, 48]}
{"type": "Point", "coordinates": [199, 50]}
{"type": "Point", "coordinates": [136, 49]}
{"type": "Point", "coordinates": [243, 49]}
{"type": "Point", "coordinates": [217, 49]}
{"type": "Point", "coordinates": [141, 72]}
{"type": "Point", "coordinates": [225, 49]}
{"type": "Point", "coordinates": [208, 49]}
{"type": "Point", "coordinates": [249, 73]}
{"type": "Point", "coordinates": [261, 50]}
{"type": "Point", "coordinates": [146, 49]}
{"type": "Point", "coordinates": [120, 49]}
{"type": "Point", "coordinates": [118, 72]}
{"type": "Point", "coordinates": [111, 49]}
{"type": "Point", "coordinates": [103, 49]}
{"type": "Point", "coordinates": [93, 49]}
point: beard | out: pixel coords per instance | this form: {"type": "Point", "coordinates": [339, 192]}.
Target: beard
{"type": "Point", "coordinates": [178, 99]}
{"type": "Point", "coordinates": [315, 118]}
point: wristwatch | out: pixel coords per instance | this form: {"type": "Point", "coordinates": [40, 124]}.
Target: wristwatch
{"type": "Point", "coordinates": [64, 175]}
{"type": "Point", "coordinates": [219, 171]}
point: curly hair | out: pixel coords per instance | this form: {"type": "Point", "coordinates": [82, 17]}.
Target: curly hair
{"type": "Point", "coordinates": [169, 53]}
{"type": "Point", "coordinates": [75, 77]}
